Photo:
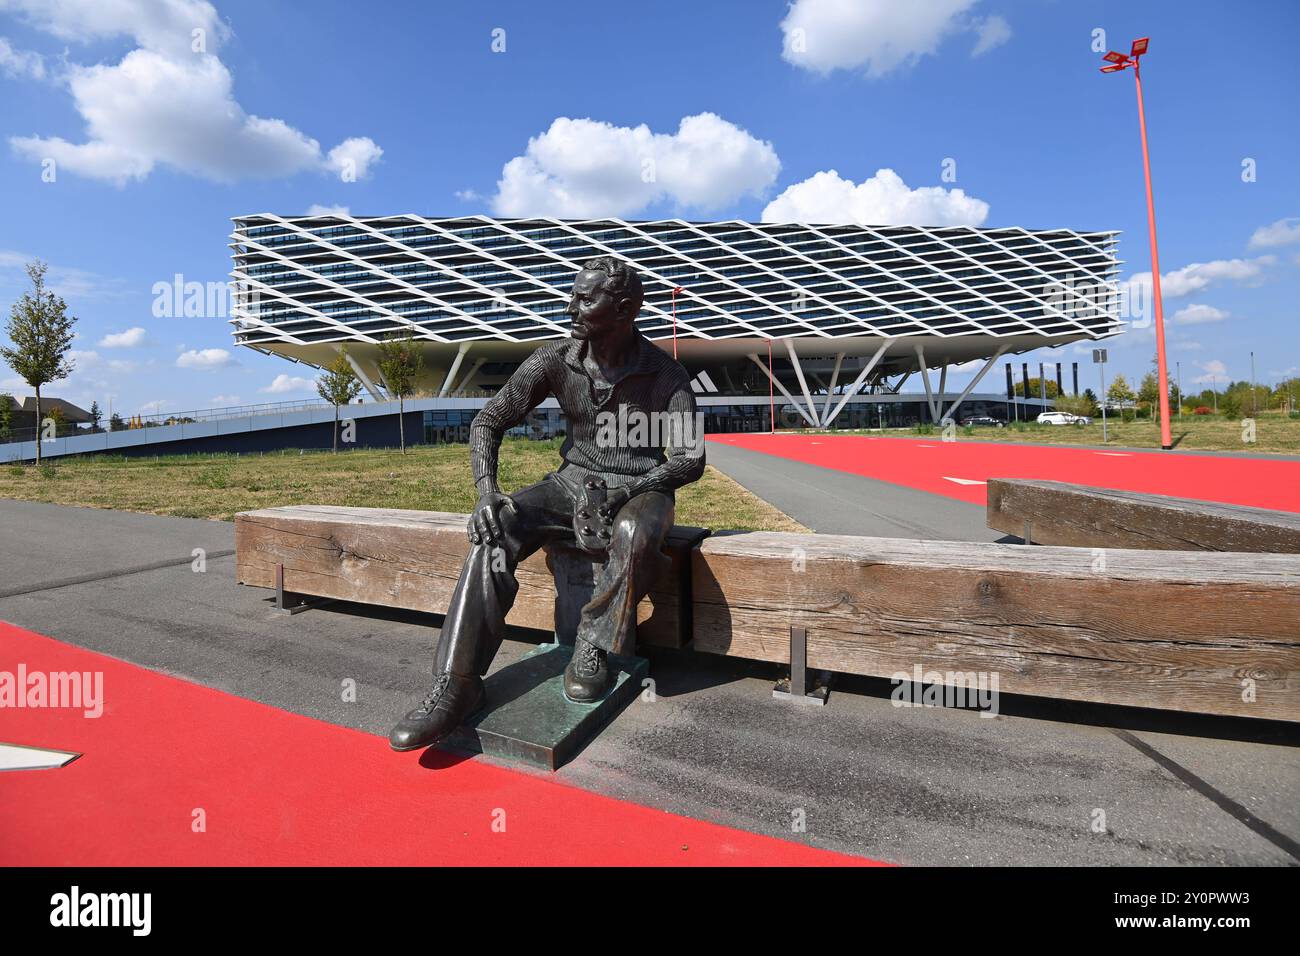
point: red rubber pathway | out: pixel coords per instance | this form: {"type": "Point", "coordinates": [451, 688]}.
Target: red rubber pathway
{"type": "Point", "coordinates": [958, 469]}
{"type": "Point", "coordinates": [276, 788]}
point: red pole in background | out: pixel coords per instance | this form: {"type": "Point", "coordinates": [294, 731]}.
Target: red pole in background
{"type": "Point", "coordinates": [1118, 61]}
{"type": "Point", "coordinates": [1166, 439]}
{"type": "Point", "coordinates": [771, 399]}
{"type": "Point", "coordinates": [676, 289]}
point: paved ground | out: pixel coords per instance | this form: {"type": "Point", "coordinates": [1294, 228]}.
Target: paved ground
{"type": "Point", "coordinates": [835, 502]}
{"type": "Point", "coordinates": [925, 786]}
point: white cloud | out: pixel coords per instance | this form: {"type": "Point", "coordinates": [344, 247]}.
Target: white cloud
{"type": "Point", "coordinates": [123, 340]}
{"type": "Point", "coordinates": [165, 25]}
{"type": "Point", "coordinates": [289, 383]}
{"type": "Point", "coordinates": [16, 63]}
{"type": "Point", "coordinates": [219, 401]}
{"type": "Point", "coordinates": [581, 168]}
{"type": "Point", "coordinates": [1215, 371]}
{"type": "Point", "coordinates": [1200, 275]}
{"type": "Point", "coordinates": [882, 200]}
{"type": "Point", "coordinates": [1284, 232]}
{"type": "Point", "coordinates": [154, 407]}
{"type": "Point", "coordinates": [1188, 346]}
{"type": "Point", "coordinates": [205, 359]}
{"type": "Point", "coordinates": [1199, 314]}
{"type": "Point", "coordinates": [878, 36]}
{"type": "Point", "coordinates": [991, 32]}
{"type": "Point", "coordinates": [64, 281]}
{"type": "Point", "coordinates": [166, 102]}
{"type": "Point", "coordinates": [316, 209]}
{"type": "Point", "coordinates": [467, 195]}
{"type": "Point", "coordinates": [352, 158]}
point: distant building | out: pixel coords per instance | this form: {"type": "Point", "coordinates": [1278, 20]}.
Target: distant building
{"type": "Point", "coordinates": [23, 413]}
{"type": "Point", "coordinates": [849, 312]}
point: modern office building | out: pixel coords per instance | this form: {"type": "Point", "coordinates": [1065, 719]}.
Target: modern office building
{"type": "Point", "coordinates": [847, 314]}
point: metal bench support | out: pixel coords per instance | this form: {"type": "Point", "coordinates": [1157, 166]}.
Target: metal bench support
{"type": "Point", "coordinates": [795, 687]}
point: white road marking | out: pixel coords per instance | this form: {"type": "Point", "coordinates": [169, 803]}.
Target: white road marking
{"type": "Point", "coordinates": [964, 481]}
{"type": "Point", "coordinates": [18, 757]}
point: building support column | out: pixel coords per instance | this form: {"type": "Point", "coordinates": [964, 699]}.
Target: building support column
{"type": "Point", "coordinates": [455, 367]}
{"type": "Point", "coordinates": [925, 379]}
{"type": "Point", "coordinates": [857, 382]}
{"type": "Point", "coordinates": [835, 377]}
{"type": "Point", "coordinates": [464, 382]}
{"type": "Point", "coordinates": [976, 380]}
{"type": "Point", "coordinates": [798, 371]}
{"type": "Point", "coordinates": [375, 392]}
{"type": "Point", "coordinates": [753, 357]}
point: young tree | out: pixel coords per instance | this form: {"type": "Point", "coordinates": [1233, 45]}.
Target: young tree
{"type": "Point", "coordinates": [115, 423]}
{"type": "Point", "coordinates": [1036, 388]}
{"type": "Point", "coordinates": [338, 386]}
{"type": "Point", "coordinates": [1119, 391]}
{"type": "Point", "coordinates": [6, 417]}
{"type": "Point", "coordinates": [58, 419]}
{"type": "Point", "coordinates": [95, 415]}
{"type": "Point", "coordinates": [400, 363]}
{"type": "Point", "coordinates": [41, 332]}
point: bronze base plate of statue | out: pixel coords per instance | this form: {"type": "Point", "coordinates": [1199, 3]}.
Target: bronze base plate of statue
{"type": "Point", "coordinates": [633, 438]}
{"type": "Point", "coordinates": [529, 718]}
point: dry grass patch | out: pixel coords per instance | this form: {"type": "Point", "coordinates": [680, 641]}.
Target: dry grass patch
{"type": "Point", "coordinates": [430, 478]}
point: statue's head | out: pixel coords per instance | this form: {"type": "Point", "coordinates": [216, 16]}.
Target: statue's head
{"type": "Point", "coordinates": [606, 298]}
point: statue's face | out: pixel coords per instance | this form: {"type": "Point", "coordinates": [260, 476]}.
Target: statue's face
{"type": "Point", "coordinates": [593, 310]}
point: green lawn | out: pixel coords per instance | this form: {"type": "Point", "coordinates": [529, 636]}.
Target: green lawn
{"type": "Point", "coordinates": [431, 478]}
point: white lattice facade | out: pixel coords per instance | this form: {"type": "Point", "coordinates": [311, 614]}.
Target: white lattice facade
{"type": "Point", "coordinates": [869, 302]}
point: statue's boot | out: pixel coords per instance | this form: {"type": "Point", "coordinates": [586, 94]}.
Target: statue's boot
{"type": "Point", "coordinates": [587, 677]}
{"type": "Point", "coordinates": [451, 700]}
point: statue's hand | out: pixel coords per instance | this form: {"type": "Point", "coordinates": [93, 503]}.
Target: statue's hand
{"type": "Point", "coordinates": [614, 501]}
{"type": "Point", "coordinates": [485, 522]}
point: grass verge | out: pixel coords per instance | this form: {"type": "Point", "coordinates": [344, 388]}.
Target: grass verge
{"type": "Point", "coordinates": [429, 478]}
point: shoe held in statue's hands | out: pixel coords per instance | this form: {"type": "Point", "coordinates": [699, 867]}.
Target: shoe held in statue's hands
{"type": "Point", "coordinates": [450, 700]}
{"type": "Point", "coordinates": [587, 676]}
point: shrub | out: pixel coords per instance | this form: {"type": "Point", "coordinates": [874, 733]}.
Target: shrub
{"type": "Point", "coordinates": [1076, 405]}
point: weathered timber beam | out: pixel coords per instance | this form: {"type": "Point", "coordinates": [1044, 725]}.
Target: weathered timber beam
{"type": "Point", "coordinates": [1083, 517]}
{"type": "Point", "coordinates": [1187, 631]}
{"type": "Point", "coordinates": [411, 560]}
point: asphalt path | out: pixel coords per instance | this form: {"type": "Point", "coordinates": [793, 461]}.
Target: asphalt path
{"type": "Point", "coordinates": [907, 785]}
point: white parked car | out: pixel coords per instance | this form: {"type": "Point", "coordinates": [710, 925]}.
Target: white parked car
{"type": "Point", "coordinates": [1063, 418]}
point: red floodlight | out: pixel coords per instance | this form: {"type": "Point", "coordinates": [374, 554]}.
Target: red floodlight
{"type": "Point", "coordinates": [1112, 69]}
{"type": "Point", "coordinates": [1139, 46]}
{"type": "Point", "coordinates": [1114, 57]}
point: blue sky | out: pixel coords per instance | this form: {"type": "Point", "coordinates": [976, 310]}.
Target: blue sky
{"type": "Point", "coordinates": [156, 145]}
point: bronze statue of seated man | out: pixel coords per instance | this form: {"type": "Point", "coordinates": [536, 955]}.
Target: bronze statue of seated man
{"type": "Point", "coordinates": [633, 439]}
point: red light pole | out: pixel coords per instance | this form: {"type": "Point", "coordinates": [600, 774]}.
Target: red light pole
{"type": "Point", "coordinates": [676, 289]}
{"type": "Point", "coordinates": [1117, 62]}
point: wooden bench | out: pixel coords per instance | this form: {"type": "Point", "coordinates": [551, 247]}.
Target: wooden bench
{"type": "Point", "coordinates": [1186, 631]}
{"type": "Point", "coordinates": [1054, 512]}
{"type": "Point", "coordinates": [411, 560]}
{"type": "Point", "coordinates": [1172, 630]}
